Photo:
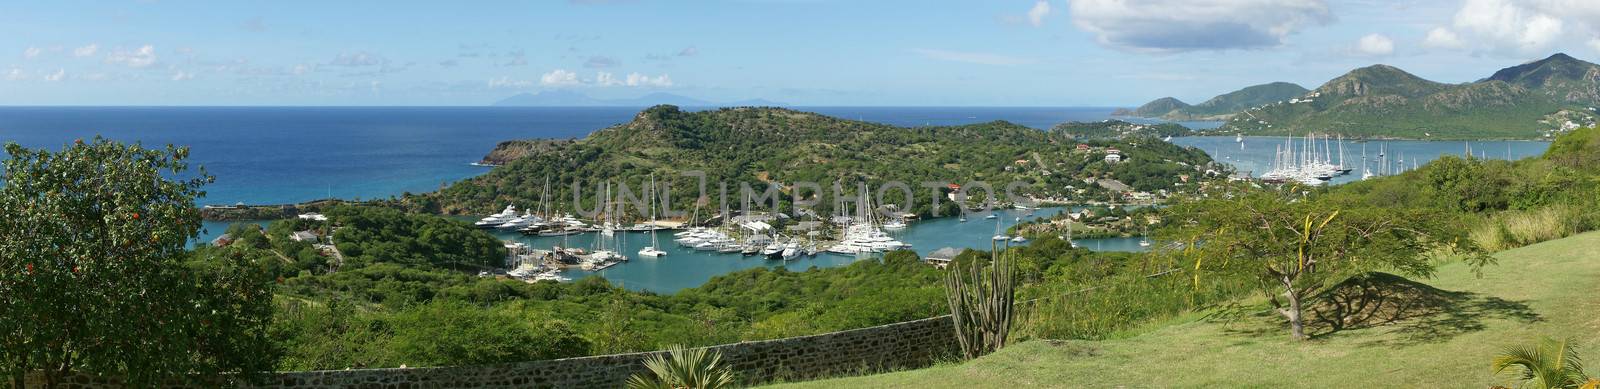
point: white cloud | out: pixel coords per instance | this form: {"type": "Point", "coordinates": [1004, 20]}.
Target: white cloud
{"type": "Point", "coordinates": [559, 77]}
{"type": "Point", "coordinates": [31, 52]}
{"type": "Point", "coordinates": [606, 79]}
{"type": "Point", "coordinates": [1518, 28]}
{"type": "Point", "coordinates": [689, 51]}
{"type": "Point", "coordinates": [182, 75]}
{"type": "Point", "coordinates": [86, 51]}
{"type": "Point", "coordinates": [14, 74]}
{"type": "Point", "coordinates": [508, 82]}
{"type": "Point", "coordinates": [1443, 38]}
{"type": "Point", "coordinates": [140, 58]}
{"type": "Point", "coordinates": [1183, 25]}
{"type": "Point", "coordinates": [1038, 12]}
{"type": "Point", "coordinates": [60, 74]}
{"type": "Point", "coordinates": [1594, 44]}
{"type": "Point", "coordinates": [972, 57]}
{"type": "Point", "coordinates": [661, 81]}
{"type": "Point", "coordinates": [1375, 45]}
{"type": "Point", "coordinates": [1504, 22]}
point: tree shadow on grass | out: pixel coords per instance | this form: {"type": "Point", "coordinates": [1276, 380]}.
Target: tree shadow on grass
{"type": "Point", "coordinates": [1413, 312]}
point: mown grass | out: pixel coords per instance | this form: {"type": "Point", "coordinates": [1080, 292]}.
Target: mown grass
{"type": "Point", "coordinates": [1546, 289]}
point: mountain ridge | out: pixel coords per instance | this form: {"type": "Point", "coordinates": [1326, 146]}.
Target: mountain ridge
{"type": "Point", "coordinates": [1533, 100]}
{"type": "Point", "coordinates": [1219, 107]}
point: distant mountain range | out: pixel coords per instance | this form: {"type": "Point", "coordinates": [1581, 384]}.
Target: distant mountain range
{"type": "Point", "coordinates": [568, 98]}
{"type": "Point", "coordinates": [1533, 100]}
{"type": "Point", "coordinates": [1217, 108]}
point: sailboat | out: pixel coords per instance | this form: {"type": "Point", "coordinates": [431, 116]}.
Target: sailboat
{"type": "Point", "coordinates": [1069, 233]}
{"type": "Point", "coordinates": [1238, 138]}
{"type": "Point", "coordinates": [1144, 236]}
{"type": "Point", "coordinates": [653, 250]}
{"type": "Point", "coordinates": [1365, 171]}
{"type": "Point", "coordinates": [998, 235]}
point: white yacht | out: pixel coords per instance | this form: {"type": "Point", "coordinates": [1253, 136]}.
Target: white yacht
{"type": "Point", "coordinates": [499, 218]}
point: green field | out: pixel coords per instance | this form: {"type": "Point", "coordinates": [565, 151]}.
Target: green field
{"type": "Point", "coordinates": [1547, 289]}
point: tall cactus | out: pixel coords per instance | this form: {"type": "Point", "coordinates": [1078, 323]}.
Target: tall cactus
{"type": "Point", "coordinates": [981, 303]}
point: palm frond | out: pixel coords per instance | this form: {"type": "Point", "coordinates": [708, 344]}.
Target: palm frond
{"type": "Point", "coordinates": [1550, 364]}
{"type": "Point", "coordinates": [683, 368]}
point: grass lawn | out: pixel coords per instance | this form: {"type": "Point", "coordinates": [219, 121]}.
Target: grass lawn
{"type": "Point", "coordinates": [1548, 289]}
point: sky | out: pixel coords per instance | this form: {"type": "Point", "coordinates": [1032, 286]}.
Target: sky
{"type": "Point", "coordinates": [799, 52]}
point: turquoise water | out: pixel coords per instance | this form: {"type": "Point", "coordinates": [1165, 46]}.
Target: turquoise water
{"type": "Point", "coordinates": [1255, 154]}
{"type": "Point", "coordinates": [686, 268]}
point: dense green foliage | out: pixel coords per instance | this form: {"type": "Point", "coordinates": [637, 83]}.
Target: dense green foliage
{"type": "Point", "coordinates": [1114, 129]}
{"type": "Point", "coordinates": [381, 235]}
{"type": "Point", "coordinates": [95, 278]}
{"type": "Point", "coordinates": [1523, 102]}
{"type": "Point", "coordinates": [757, 147]}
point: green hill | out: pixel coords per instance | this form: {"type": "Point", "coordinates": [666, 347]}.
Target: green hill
{"type": "Point", "coordinates": [1154, 108]}
{"type": "Point", "coordinates": [1220, 107]}
{"type": "Point", "coordinates": [1560, 77]}
{"type": "Point", "coordinates": [1534, 100]}
{"type": "Point", "coordinates": [757, 146]}
{"type": "Point", "coordinates": [1228, 104]}
{"type": "Point", "coordinates": [1545, 289]}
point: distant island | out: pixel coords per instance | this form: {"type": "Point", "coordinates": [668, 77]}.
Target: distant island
{"type": "Point", "coordinates": [1220, 107]}
{"type": "Point", "coordinates": [569, 98]}
{"type": "Point", "coordinates": [761, 145]}
{"type": "Point", "coordinates": [1536, 100]}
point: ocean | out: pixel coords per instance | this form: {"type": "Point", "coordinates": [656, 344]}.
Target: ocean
{"type": "Point", "coordinates": [278, 155]}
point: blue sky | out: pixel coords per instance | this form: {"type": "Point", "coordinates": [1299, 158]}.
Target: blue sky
{"type": "Point", "coordinates": [804, 52]}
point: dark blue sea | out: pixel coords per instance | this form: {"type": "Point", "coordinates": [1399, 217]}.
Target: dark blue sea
{"type": "Point", "coordinates": [274, 155]}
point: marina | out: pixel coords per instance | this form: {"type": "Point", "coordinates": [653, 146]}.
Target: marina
{"type": "Point", "coordinates": [688, 267]}
{"type": "Point", "coordinates": [1260, 155]}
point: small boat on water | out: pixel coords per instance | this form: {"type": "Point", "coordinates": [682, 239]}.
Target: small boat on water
{"type": "Point", "coordinates": [1019, 239]}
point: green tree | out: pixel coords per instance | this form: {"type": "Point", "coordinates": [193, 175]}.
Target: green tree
{"type": "Point", "coordinates": [93, 270]}
{"type": "Point", "coordinates": [1299, 246]}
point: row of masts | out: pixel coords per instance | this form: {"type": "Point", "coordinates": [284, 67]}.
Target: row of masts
{"type": "Point", "coordinates": [1306, 163]}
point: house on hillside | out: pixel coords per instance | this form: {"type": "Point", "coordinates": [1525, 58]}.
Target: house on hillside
{"type": "Point", "coordinates": [1113, 185]}
{"type": "Point", "coordinates": [942, 258]}
{"type": "Point", "coordinates": [304, 236]}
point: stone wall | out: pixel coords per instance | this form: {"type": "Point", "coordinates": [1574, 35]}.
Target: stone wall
{"type": "Point", "coordinates": [906, 345]}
